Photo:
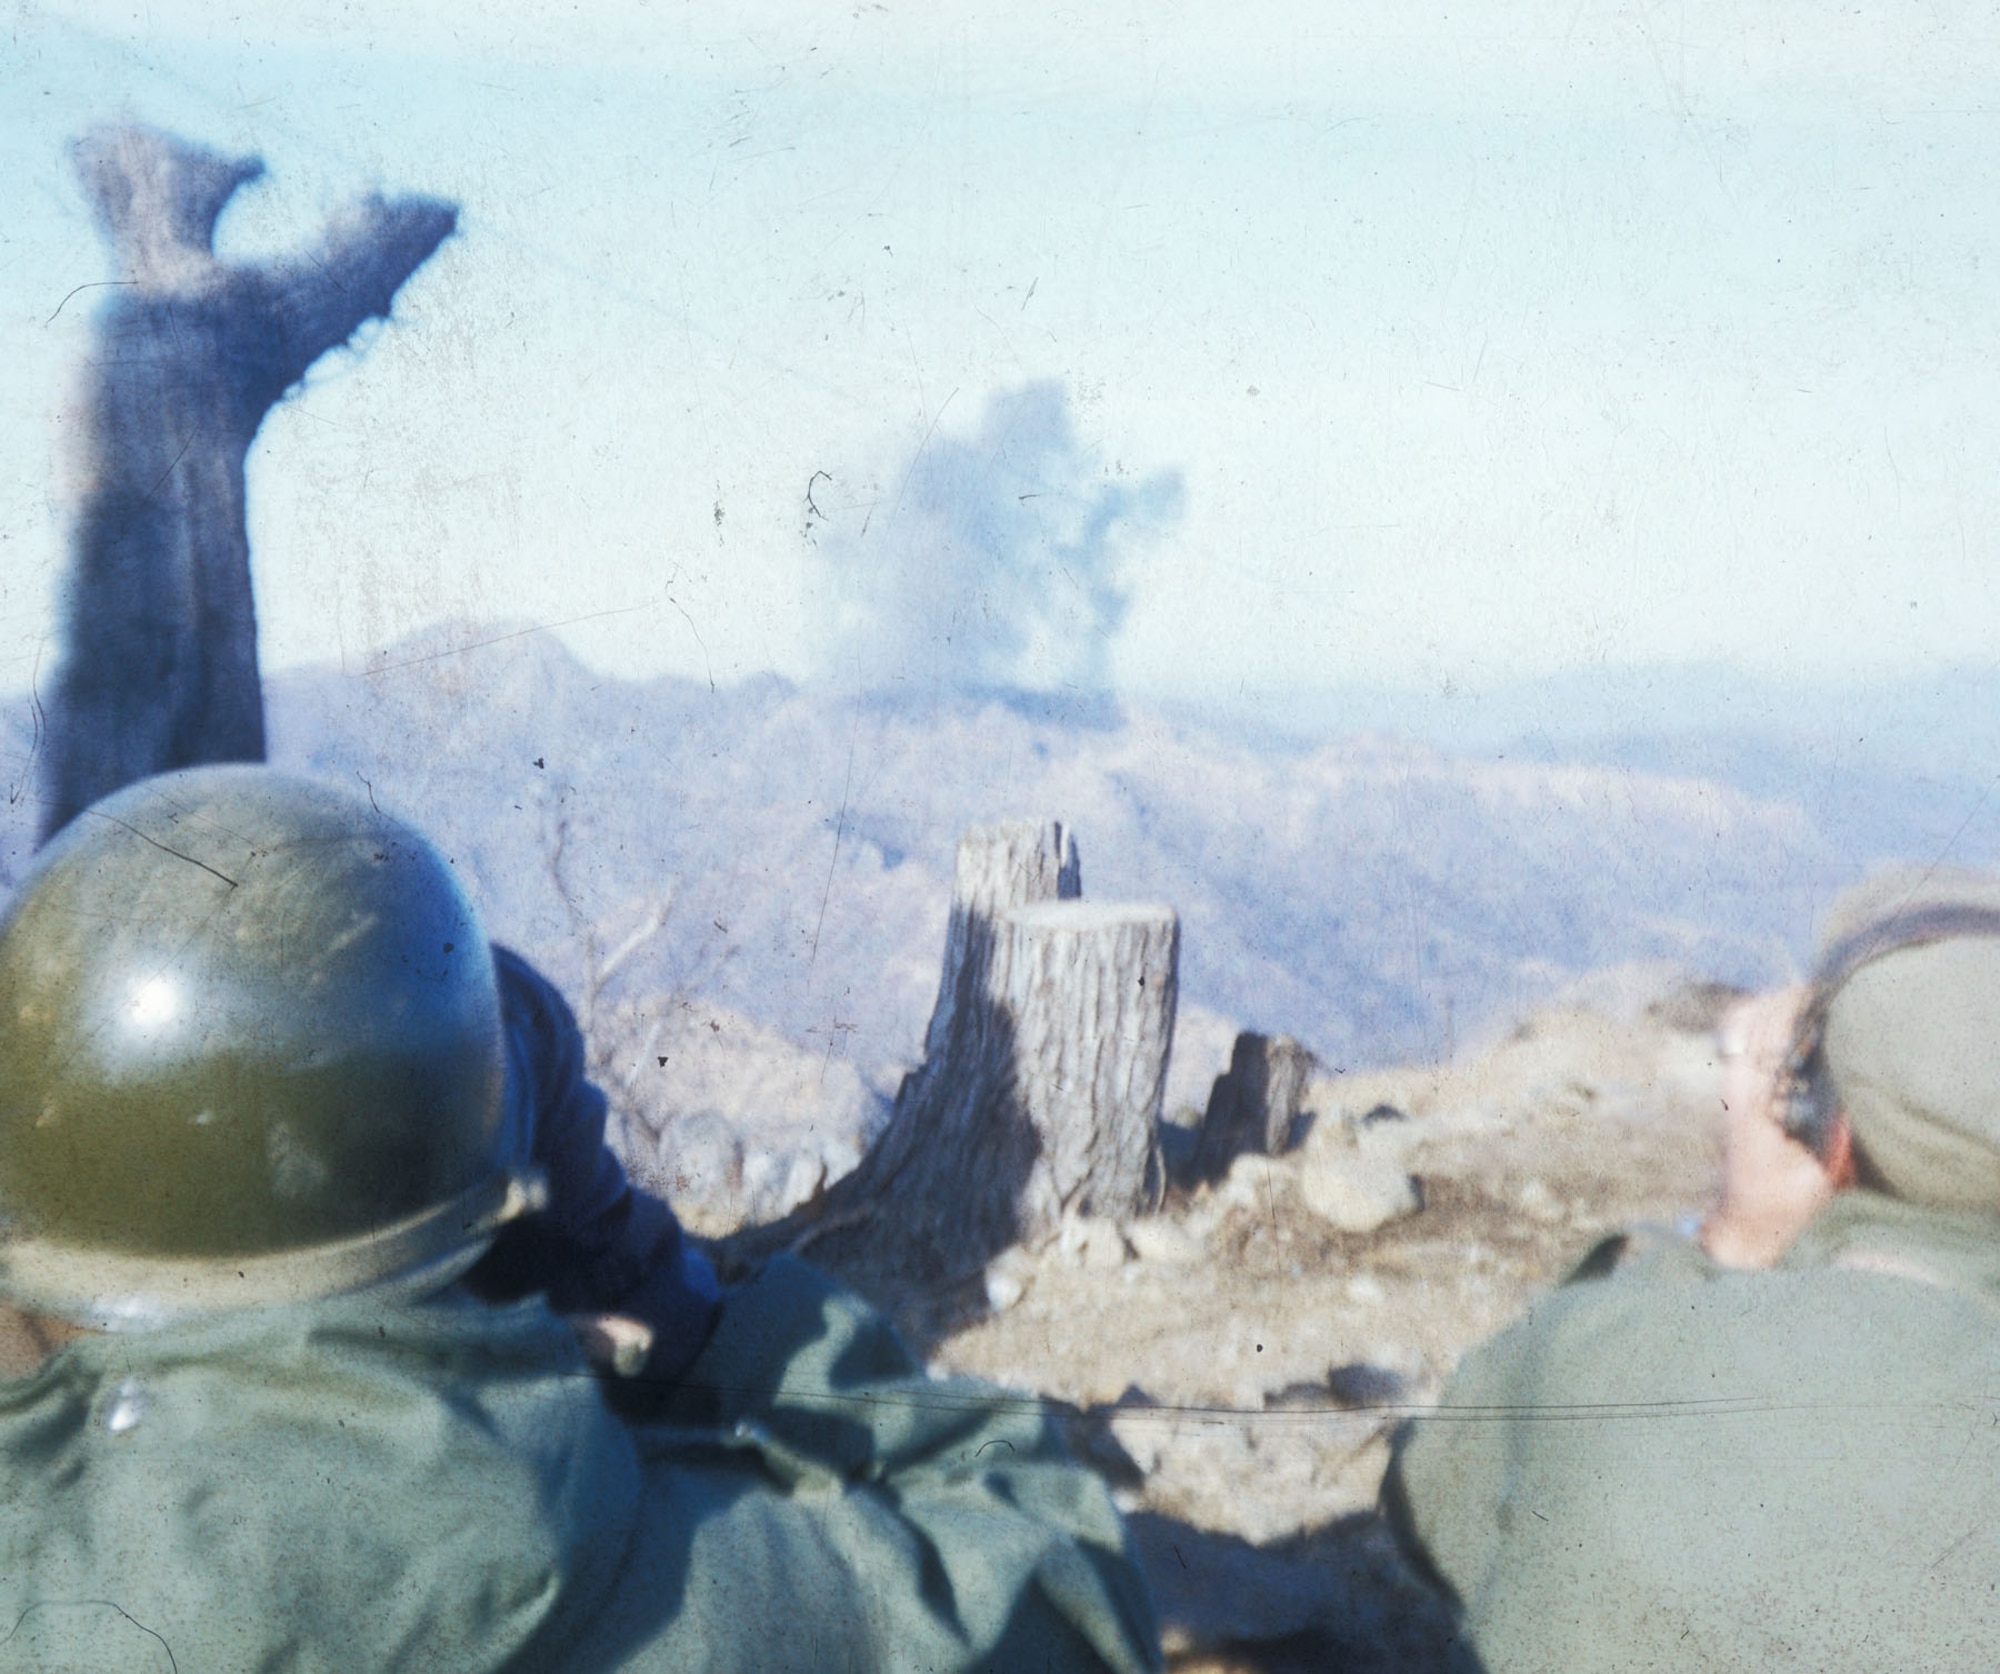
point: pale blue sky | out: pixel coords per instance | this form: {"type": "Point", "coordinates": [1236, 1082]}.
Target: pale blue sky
{"type": "Point", "coordinates": [1487, 340]}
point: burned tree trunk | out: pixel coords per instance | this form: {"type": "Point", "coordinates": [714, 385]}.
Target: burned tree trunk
{"type": "Point", "coordinates": [159, 630]}
{"type": "Point", "coordinates": [1039, 1094]}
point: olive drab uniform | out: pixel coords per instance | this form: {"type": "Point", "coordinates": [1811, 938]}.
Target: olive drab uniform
{"type": "Point", "coordinates": [342, 1485]}
{"type": "Point", "coordinates": [1679, 1467]}
{"type": "Point", "coordinates": [1674, 1466]}
{"type": "Point", "coordinates": [316, 1171]}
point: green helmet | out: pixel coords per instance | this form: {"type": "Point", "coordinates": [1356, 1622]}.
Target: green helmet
{"type": "Point", "coordinates": [250, 1051]}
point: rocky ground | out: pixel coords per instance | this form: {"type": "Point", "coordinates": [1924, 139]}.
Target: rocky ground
{"type": "Point", "coordinates": [1236, 1363]}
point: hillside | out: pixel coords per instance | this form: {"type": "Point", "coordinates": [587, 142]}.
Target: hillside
{"type": "Point", "coordinates": [1382, 900]}
{"type": "Point", "coordinates": [1374, 898]}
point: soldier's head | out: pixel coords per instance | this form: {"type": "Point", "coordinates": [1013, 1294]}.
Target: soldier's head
{"type": "Point", "coordinates": [1882, 1071]}
{"type": "Point", "coordinates": [1902, 1039]}
{"type": "Point", "coordinates": [252, 1053]}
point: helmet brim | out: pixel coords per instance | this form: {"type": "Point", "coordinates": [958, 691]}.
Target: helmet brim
{"type": "Point", "coordinates": [407, 1259]}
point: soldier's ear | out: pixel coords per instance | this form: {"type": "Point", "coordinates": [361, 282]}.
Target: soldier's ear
{"type": "Point", "coordinates": [1838, 1161]}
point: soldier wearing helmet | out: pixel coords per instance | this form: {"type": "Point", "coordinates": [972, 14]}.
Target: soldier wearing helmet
{"type": "Point", "coordinates": [301, 1193]}
{"type": "Point", "coordinates": [1775, 1447]}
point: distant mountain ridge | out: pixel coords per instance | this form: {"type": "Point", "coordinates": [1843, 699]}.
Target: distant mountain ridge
{"type": "Point", "coordinates": [1380, 899]}
{"type": "Point", "coordinates": [1944, 719]}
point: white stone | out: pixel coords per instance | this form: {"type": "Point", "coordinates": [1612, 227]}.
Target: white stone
{"type": "Point", "coordinates": [1539, 1203]}
{"type": "Point", "coordinates": [1164, 1241]}
{"type": "Point", "coordinates": [1253, 1182]}
{"type": "Point", "coordinates": [1357, 1194]}
{"type": "Point", "coordinates": [1008, 1276]}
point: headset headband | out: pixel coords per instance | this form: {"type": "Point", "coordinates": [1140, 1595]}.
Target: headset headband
{"type": "Point", "coordinates": [1801, 1081]}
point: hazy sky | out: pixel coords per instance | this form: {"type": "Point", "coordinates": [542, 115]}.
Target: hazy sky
{"type": "Point", "coordinates": [1444, 344]}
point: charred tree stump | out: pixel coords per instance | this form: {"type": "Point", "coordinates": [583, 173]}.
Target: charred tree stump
{"type": "Point", "coordinates": [1039, 1094]}
{"type": "Point", "coordinates": [1255, 1104]}
{"type": "Point", "coordinates": [159, 663]}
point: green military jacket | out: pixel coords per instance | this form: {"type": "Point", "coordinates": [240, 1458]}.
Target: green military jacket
{"type": "Point", "coordinates": [355, 1486]}
{"type": "Point", "coordinates": [1680, 1467]}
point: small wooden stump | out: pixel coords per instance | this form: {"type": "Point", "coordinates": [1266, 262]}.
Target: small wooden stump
{"type": "Point", "coordinates": [1039, 1094]}
{"type": "Point", "coordinates": [1255, 1104]}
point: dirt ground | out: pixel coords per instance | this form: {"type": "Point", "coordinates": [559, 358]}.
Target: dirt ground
{"type": "Point", "coordinates": [1236, 1364]}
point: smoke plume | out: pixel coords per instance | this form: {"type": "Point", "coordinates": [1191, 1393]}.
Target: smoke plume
{"type": "Point", "coordinates": [991, 561]}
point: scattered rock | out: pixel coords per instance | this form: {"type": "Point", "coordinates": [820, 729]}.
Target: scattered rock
{"type": "Point", "coordinates": [1164, 1241]}
{"type": "Point", "coordinates": [1254, 1182]}
{"type": "Point", "coordinates": [1361, 1383]}
{"type": "Point", "coordinates": [1538, 1203]}
{"type": "Point", "coordinates": [1358, 1386]}
{"type": "Point", "coordinates": [1008, 1276]}
{"type": "Point", "coordinates": [1354, 1192]}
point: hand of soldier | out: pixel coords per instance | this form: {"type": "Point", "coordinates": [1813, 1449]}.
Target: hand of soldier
{"type": "Point", "coordinates": [1772, 1185]}
{"type": "Point", "coordinates": [616, 1345]}
{"type": "Point", "coordinates": [27, 1339]}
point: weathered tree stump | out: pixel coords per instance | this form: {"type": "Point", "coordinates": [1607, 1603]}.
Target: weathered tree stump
{"type": "Point", "coordinates": [1091, 989]}
{"type": "Point", "coordinates": [159, 665]}
{"type": "Point", "coordinates": [1255, 1104]}
{"type": "Point", "coordinates": [999, 868]}
{"type": "Point", "coordinates": [1039, 1094]}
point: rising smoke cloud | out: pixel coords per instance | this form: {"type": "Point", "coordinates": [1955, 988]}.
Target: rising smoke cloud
{"type": "Point", "coordinates": [991, 560]}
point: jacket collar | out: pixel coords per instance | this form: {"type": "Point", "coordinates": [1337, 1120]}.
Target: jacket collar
{"type": "Point", "coordinates": [1868, 1232]}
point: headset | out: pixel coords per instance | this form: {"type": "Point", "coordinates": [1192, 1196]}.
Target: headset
{"type": "Point", "coordinates": [1807, 1102]}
